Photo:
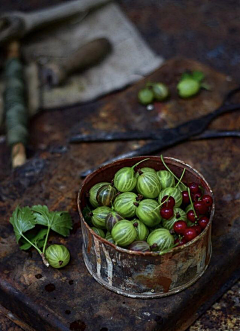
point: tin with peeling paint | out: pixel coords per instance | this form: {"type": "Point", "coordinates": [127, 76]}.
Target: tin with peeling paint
{"type": "Point", "coordinates": [144, 274]}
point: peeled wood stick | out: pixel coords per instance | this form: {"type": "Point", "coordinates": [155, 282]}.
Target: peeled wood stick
{"type": "Point", "coordinates": [12, 97]}
{"type": "Point", "coordinates": [18, 155]}
{"type": "Point", "coordinates": [86, 56]}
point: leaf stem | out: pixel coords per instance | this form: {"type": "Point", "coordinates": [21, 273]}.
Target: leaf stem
{"type": "Point", "coordinates": [46, 239]}
{"type": "Point", "coordinates": [32, 244]}
{"type": "Point", "coordinates": [170, 170]}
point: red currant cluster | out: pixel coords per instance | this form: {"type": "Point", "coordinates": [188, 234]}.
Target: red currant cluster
{"type": "Point", "coordinates": [198, 215]}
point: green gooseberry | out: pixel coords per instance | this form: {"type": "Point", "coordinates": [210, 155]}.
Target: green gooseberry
{"type": "Point", "coordinates": [106, 195]}
{"type": "Point", "coordinates": [124, 233]}
{"type": "Point", "coordinates": [99, 232]}
{"type": "Point", "coordinates": [188, 87]}
{"type": "Point", "coordinates": [148, 212]}
{"type": "Point", "coordinates": [125, 204]}
{"type": "Point", "coordinates": [58, 256]}
{"type": "Point", "coordinates": [124, 179]}
{"type": "Point", "coordinates": [160, 239]}
{"type": "Point", "coordinates": [160, 91]}
{"type": "Point", "coordinates": [145, 96]}
{"type": "Point", "coordinates": [148, 184]}
{"type": "Point", "coordinates": [166, 179]}
{"type": "Point", "coordinates": [109, 237]}
{"type": "Point", "coordinates": [93, 193]}
{"type": "Point", "coordinates": [142, 230]}
{"type": "Point", "coordinates": [99, 215]}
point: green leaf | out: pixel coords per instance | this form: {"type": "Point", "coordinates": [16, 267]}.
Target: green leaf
{"type": "Point", "coordinates": [59, 222]}
{"type": "Point", "coordinates": [206, 86]}
{"type": "Point", "coordinates": [37, 239]}
{"type": "Point", "coordinates": [42, 214]}
{"type": "Point", "coordinates": [22, 220]}
{"type": "Point", "coordinates": [198, 75]}
{"type": "Point", "coordinates": [186, 75]}
{"type": "Point", "coordinates": [86, 211]}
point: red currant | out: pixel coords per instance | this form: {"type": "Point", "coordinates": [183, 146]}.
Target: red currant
{"type": "Point", "coordinates": [197, 228]}
{"type": "Point", "coordinates": [208, 200]}
{"type": "Point", "coordinates": [196, 196]}
{"type": "Point", "coordinates": [203, 221]}
{"type": "Point", "coordinates": [180, 242]}
{"type": "Point", "coordinates": [166, 213]}
{"type": "Point", "coordinates": [194, 188]}
{"type": "Point", "coordinates": [190, 234]}
{"type": "Point", "coordinates": [200, 207]}
{"type": "Point", "coordinates": [185, 197]}
{"type": "Point", "coordinates": [191, 216]}
{"type": "Point", "coordinates": [170, 203]}
{"type": "Point", "coordinates": [179, 227]}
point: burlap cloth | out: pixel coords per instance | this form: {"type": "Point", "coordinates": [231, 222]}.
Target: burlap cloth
{"type": "Point", "coordinates": [130, 60]}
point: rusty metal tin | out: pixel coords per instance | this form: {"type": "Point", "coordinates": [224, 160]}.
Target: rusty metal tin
{"type": "Point", "coordinates": [144, 274]}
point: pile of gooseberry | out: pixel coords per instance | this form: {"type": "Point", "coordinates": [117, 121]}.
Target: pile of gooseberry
{"type": "Point", "coordinates": [147, 210]}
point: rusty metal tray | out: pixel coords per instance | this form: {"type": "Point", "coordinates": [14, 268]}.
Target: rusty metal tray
{"type": "Point", "coordinates": [70, 299]}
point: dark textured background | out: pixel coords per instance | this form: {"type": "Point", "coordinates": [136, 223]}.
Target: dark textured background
{"type": "Point", "coordinates": [204, 30]}
{"type": "Point", "coordinates": [207, 31]}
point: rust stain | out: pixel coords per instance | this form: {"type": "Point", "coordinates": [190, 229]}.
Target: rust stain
{"type": "Point", "coordinates": [151, 282]}
{"type": "Point", "coordinates": [89, 242]}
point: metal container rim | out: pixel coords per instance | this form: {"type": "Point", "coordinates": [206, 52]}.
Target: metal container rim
{"type": "Point", "coordinates": [138, 253]}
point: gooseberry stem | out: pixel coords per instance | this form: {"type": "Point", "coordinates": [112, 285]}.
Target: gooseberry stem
{"type": "Point", "coordinates": [44, 260]}
{"type": "Point", "coordinates": [46, 239]}
{"type": "Point", "coordinates": [191, 203]}
{"type": "Point", "coordinates": [180, 179]}
{"type": "Point", "coordinates": [38, 250]}
{"type": "Point", "coordinates": [139, 163]}
{"type": "Point", "coordinates": [171, 171]}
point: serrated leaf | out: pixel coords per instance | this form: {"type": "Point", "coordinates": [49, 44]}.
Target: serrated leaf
{"type": "Point", "coordinates": [37, 239]}
{"type": "Point", "coordinates": [198, 75]}
{"type": "Point", "coordinates": [22, 220]}
{"type": "Point", "coordinates": [42, 214]}
{"type": "Point", "coordinates": [59, 222]}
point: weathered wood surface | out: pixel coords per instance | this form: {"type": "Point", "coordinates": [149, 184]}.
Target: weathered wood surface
{"type": "Point", "coordinates": [51, 177]}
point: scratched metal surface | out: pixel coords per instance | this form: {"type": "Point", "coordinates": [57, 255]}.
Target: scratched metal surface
{"type": "Point", "coordinates": [69, 298]}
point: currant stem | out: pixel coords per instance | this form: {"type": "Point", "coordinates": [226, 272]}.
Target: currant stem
{"type": "Point", "coordinates": [191, 203]}
{"type": "Point", "coordinates": [162, 203]}
{"type": "Point", "coordinates": [139, 163]}
{"type": "Point", "coordinates": [170, 170]}
{"type": "Point", "coordinates": [180, 179]}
